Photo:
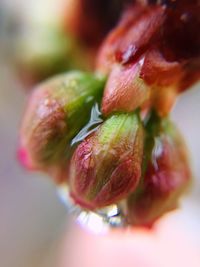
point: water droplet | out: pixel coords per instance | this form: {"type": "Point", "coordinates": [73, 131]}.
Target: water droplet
{"type": "Point", "coordinates": [128, 53]}
{"type": "Point", "coordinates": [157, 152]}
{"type": "Point", "coordinates": [90, 127]}
{"type": "Point", "coordinates": [141, 61]}
{"type": "Point", "coordinates": [99, 221]}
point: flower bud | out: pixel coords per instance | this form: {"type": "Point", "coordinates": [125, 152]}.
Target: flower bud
{"type": "Point", "coordinates": [122, 57]}
{"type": "Point", "coordinates": [44, 51]}
{"type": "Point", "coordinates": [131, 37]}
{"type": "Point", "coordinates": [56, 111]}
{"type": "Point", "coordinates": [106, 166]}
{"type": "Point", "coordinates": [125, 90]}
{"type": "Point", "coordinates": [166, 176]}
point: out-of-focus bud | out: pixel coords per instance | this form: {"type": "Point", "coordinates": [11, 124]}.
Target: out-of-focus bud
{"type": "Point", "coordinates": [56, 111]}
{"type": "Point", "coordinates": [125, 90]}
{"type": "Point", "coordinates": [106, 166]}
{"type": "Point", "coordinates": [42, 51]}
{"type": "Point", "coordinates": [166, 177]}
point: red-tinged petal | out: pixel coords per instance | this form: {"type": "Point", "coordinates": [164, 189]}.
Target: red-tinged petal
{"type": "Point", "coordinates": [125, 90]}
{"type": "Point", "coordinates": [166, 178]}
{"type": "Point", "coordinates": [164, 79]}
{"type": "Point", "coordinates": [157, 71]}
{"type": "Point", "coordinates": [191, 72]}
{"type": "Point", "coordinates": [82, 165]}
{"type": "Point", "coordinates": [25, 159]}
{"type": "Point", "coordinates": [122, 182]}
{"type": "Point", "coordinates": [107, 54]}
{"type": "Point", "coordinates": [163, 99]}
{"type": "Point", "coordinates": [124, 178]}
{"type": "Point", "coordinates": [137, 26]}
{"type": "Point", "coordinates": [137, 38]}
{"type": "Point", "coordinates": [106, 166]}
{"type": "Point", "coordinates": [58, 171]}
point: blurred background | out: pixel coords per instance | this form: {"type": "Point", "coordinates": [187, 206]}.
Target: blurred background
{"type": "Point", "coordinates": [32, 219]}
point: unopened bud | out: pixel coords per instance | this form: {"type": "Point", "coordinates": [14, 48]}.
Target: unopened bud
{"type": "Point", "coordinates": [56, 111]}
{"type": "Point", "coordinates": [166, 177]}
{"type": "Point", "coordinates": [125, 90]}
{"type": "Point", "coordinates": [106, 166]}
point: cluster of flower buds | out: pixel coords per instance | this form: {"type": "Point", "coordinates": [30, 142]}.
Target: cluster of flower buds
{"type": "Point", "coordinates": [134, 155]}
{"type": "Point", "coordinates": [151, 56]}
